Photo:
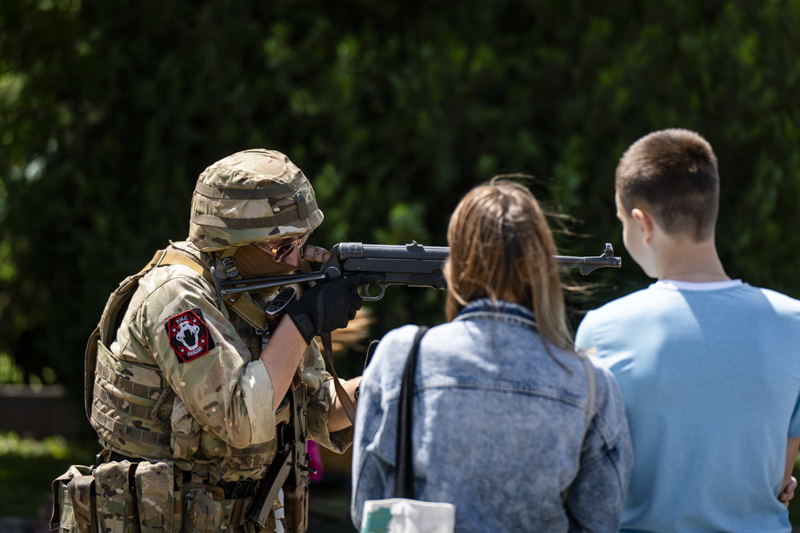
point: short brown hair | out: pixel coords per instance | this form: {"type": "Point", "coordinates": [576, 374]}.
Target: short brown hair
{"type": "Point", "coordinates": [502, 248]}
{"type": "Point", "coordinates": [674, 173]}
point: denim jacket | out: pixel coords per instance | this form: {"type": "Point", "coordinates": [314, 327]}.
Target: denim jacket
{"type": "Point", "coordinates": [497, 426]}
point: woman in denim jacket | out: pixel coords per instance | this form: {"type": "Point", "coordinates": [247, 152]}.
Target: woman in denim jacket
{"type": "Point", "coordinates": [500, 398]}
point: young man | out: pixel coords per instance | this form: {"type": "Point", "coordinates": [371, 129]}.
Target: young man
{"type": "Point", "coordinates": [709, 367]}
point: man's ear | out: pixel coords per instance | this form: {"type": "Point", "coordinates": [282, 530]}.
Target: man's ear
{"type": "Point", "coordinates": [645, 221]}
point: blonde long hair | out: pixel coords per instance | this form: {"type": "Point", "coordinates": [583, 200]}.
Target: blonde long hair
{"type": "Point", "coordinates": [502, 248]}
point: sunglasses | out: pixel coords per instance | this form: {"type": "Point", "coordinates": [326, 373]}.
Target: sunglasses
{"type": "Point", "coordinates": [281, 249]}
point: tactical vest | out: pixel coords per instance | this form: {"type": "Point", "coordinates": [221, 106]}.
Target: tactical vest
{"type": "Point", "coordinates": [155, 418]}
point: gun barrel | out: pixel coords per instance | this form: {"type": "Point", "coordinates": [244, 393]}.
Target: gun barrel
{"type": "Point", "coordinates": [569, 261]}
{"type": "Point", "coordinates": [586, 265]}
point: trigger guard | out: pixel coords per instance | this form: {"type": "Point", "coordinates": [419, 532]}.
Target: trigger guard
{"type": "Point", "coordinates": [368, 298]}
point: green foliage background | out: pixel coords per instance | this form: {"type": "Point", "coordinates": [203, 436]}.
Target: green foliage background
{"type": "Point", "coordinates": [110, 110]}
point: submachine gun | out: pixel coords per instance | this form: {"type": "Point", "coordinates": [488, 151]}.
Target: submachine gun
{"type": "Point", "coordinates": [413, 265]}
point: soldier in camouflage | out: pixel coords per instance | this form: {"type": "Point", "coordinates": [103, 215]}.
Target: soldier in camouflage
{"type": "Point", "coordinates": [184, 392]}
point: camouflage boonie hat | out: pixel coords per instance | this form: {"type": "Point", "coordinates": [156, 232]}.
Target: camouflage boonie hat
{"type": "Point", "coordinates": [251, 196]}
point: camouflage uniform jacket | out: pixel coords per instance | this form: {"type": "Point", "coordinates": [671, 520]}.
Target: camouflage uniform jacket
{"type": "Point", "coordinates": [201, 397]}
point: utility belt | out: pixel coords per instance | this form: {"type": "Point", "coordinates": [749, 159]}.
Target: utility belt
{"type": "Point", "coordinates": [130, 495]}
{"type": "Point", "coordinates": [233, 490]}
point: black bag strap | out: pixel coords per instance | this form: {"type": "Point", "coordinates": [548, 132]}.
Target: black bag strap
{"type": "Point", "coordinates": [404, 473]}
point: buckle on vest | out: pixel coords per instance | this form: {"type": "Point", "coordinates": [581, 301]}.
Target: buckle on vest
{"type": "Point", "coordinates": [239, 489]}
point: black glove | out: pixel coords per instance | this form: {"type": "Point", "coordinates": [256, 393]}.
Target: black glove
{"type": "Point", "coordinates": [327, 306]}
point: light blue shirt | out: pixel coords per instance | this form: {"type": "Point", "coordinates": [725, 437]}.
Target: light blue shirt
{"type": "Point", "coordinates": [497, 427]}
{"type": "Point", "coordinates": [711, 382]}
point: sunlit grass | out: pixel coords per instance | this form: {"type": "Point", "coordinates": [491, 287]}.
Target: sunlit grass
{"type": "Point", "coordinates": [12, 444]}
{"type": "Point", "coordinates": [28, 467]}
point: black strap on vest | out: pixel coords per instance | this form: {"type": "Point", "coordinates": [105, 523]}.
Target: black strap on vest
{"type": "Point", "coordinates": [404, 473]}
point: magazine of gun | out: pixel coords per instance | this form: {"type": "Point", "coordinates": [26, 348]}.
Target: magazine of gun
{"type": "Point", "coordinates": [412, 265]}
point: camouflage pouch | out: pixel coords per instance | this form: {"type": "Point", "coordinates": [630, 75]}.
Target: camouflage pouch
{"type": "Point", "coordinates": [208, 512]}
{"type": "Point", "coordinates": [185, 434]}
{"type": "Point", "coordinates": [158, 502]}
{"type": "Point", "coordinates": [116, 503]}
{"type": "Point", "coordinates": [73, 495]}
{"type": "Point", "coordinates": [203, 512]}
{"type": "Point", "coordinates": [81, 492]}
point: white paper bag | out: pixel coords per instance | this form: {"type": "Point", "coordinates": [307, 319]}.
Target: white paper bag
{"type": "Point", "coordinates": [401, 515]}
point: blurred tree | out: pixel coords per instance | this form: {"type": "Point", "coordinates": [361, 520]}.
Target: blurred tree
{"type": "Point", "coordinates": [109, 111]}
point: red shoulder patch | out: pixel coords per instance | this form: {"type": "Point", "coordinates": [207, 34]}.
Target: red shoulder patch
{"type": "Point", "coordinates": [189, 336]}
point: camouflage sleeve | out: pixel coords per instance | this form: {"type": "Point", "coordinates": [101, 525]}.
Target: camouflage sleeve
{"type": "Point", "coordinates": [321, 397]}
{"type": "Point", "coordinates": [205, 361]}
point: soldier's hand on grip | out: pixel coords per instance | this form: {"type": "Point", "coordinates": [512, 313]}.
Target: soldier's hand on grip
{"type": "Point", "coordinates": [327, 306]}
